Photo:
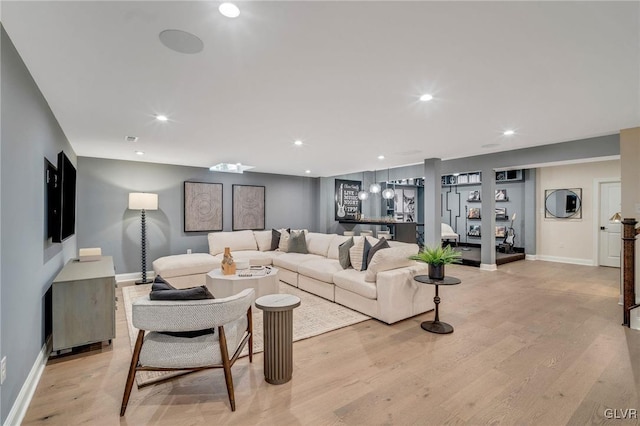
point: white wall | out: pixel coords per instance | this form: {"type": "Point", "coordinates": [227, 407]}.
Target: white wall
{"type": "Point", "coordinates": [571, 240]}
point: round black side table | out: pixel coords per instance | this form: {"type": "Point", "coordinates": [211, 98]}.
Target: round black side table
{"type": "Point", "coordinates": [436, 326]}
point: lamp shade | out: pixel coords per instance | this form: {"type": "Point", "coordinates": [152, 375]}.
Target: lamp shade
{"type": "Point", "coordinates": [616, 218]}
{"type": "Point", "coordinates": [143, 201]}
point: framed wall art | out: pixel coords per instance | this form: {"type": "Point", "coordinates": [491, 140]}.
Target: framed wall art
{"type": "Point", "coordinates": [248, 207]}
{"type": "Point", "coordinates": [202, 207]}
{"type": "Point", "coordinates": [347, 204]}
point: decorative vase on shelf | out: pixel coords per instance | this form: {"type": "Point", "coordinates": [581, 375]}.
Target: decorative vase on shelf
{"type": "Point", "coordinates": [228, 265]}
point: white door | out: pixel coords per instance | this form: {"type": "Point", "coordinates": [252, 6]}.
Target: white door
{"type": "Point", "coordinates": [609, 241]}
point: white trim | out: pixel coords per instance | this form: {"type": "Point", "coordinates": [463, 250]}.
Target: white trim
{"type": "Point", "coordinates": [488, 267]}
{"type": "Point", "coordinates": [634, 319]}
{"type": "Point", "coordinates": [134, 276]}
{"type": "Point", "coordinates": [572, 260]}
{"type": "Point", "coordinates": [530, 257]}
{"type": "Point", "coordinates": [20, 405]}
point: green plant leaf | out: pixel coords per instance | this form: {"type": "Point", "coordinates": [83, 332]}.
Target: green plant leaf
{"type": "Point", "coordinates": [438, 256]}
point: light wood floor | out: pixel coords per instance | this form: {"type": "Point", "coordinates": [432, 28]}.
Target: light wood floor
{"type": "Point", "coordinates": [534, 343]}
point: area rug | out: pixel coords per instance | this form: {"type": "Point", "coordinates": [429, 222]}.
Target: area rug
{"type": "Point", "coordinates": [313, 317]}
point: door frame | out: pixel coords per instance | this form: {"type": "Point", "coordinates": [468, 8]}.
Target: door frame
{"type": "Point", "coordinates": [596, 216]}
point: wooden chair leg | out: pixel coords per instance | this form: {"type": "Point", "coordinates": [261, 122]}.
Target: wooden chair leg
{"type": "Point", "coordinates": [132, 372]}
{"type": "Point", "coordinates": [250, 329]}
{"type": "Point", "coordinates": [227, 367]}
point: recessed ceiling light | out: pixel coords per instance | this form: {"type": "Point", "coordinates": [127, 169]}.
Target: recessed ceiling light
{"type": "Point", "coordinates": [380, 157]}
{"type": "Point", "coordinates": [297, 142]}
{"type": "Point", "coordinates": [426, 97]}
{"type": "Point", "coordinates": [229, 10]}
{"type": "Point", "coordinates": [307, 171]}
{"type": "Point", "coordinates": [161, 118]}
{"type": "Point", "coordinates": [508, 132]}
{"type": "Point", "coordinates": [140, 152]}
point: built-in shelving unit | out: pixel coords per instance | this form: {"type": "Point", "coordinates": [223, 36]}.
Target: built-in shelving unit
{"type": "Point", "coordinates": [474, 178]}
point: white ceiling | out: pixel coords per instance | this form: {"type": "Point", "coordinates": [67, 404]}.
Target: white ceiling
{"type": "Point", "coordinates": [344, 77]}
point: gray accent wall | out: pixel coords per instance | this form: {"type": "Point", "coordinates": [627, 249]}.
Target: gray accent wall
{"type": "Point", "coordinates": [29, 134]}
{"type": "Point", "coordinates": [104, 220]}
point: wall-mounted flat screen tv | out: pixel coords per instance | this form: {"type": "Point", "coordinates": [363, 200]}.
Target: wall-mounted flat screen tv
{"type": "Point", "coordinates": [61, 215]}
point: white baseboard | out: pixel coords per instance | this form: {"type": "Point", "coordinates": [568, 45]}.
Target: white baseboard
{"type": "Point", "coordinates": [134, 276]}
{"type": "Point", "coordinates": [488, 267]}
{"type": "Point", "coordinates": [530, 257]}
{"type": "Point", "coordinates": [571, 260]}
{"type": "Point", "coordinates": [20, 405]}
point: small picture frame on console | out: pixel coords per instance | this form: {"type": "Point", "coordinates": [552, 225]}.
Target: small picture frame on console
{"type": "Point", "coordinates": [501, 231]}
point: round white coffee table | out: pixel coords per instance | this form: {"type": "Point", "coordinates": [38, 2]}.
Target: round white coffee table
{"type": "Point", "coordinates": [222, 285]}
{"type": "Point", "coordinates": [277, 326]}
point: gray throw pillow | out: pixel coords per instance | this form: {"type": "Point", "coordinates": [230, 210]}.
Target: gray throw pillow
{"type": "Point", "coordinates": [343, 253]}
{"type": "Point", "coordinates": [365, 254]}
{"type": "Point", "coordinates": [160, 283]}
{"type": "Point", "coordinates": [382, 244]}
{"type": "Point", "coordinates": [192, 293]}
{"type": "Point", "coordinates": [298, 242]}
{"type": "Point", "coordinates": [275, 239]}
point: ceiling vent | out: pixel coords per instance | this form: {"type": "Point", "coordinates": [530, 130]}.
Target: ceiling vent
{"type": "Point", "coordinates": [131, 138]}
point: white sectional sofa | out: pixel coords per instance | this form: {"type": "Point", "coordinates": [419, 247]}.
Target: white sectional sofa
{"type": "Point", "coordinates": [385, 291]}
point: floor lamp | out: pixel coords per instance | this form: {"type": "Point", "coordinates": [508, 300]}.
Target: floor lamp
{"type": "Point", "coordinates": [143, 201]}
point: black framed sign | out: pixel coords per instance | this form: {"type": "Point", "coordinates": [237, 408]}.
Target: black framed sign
{"type": "Point", "coordinates": [347, 203]}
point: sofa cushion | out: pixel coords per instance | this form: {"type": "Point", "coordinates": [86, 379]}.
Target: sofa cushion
{"type": "Point", "coordinates": [355, 253]}
{"type": "Point", "coordinates": [263, 239]}
{"type": "Point", "coordinates": [391, 258]}
{"type": "Point", "coordinates": [320, 269]}
{"type": "Point", "coordinates": [297, 242]}
{"type": "Point", "coordinates": [255, 257]}
{"type": "Point", "coordinates": [319, 243]}
{"type": "Point", "coordinates": [235, 240]}
{"type": "Point", "coordinates": [292, 261]}
{"type": "Point", "coordinates": [343, 256]}
{"type": "Point", "coordinates": [381, 244]}
{"type": "Point", "coordinates": [335, 243]}
{"type": "Point", "coordinates": [185, 264]}
{"type": "Point", "coordinates": [353, 281]}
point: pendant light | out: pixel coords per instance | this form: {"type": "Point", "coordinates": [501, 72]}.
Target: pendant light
{"type": "Point", "coordinates": [362, 194]}
{"type": "Point", "coordinates": [375, 186]}
{"type": "Point", "coordinates": [388, 193]}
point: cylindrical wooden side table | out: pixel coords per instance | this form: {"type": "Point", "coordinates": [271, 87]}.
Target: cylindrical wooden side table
{"type": "Point", "coordinates": [277, 327]}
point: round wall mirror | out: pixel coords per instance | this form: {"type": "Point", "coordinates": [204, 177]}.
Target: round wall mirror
{"type": "Point", "coordinates": [563, 203]}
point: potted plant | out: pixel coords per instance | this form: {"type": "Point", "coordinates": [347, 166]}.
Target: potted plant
{"type": "Point", "coordinates": [436, 257]}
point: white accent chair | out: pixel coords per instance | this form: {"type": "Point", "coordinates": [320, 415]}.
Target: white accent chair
{"type": "Point", "coordinates": [448, 234]}
{"type": "Point", "coordinates": [230, 317]}
{"type": "Point", "coordinates": [366, 233]}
